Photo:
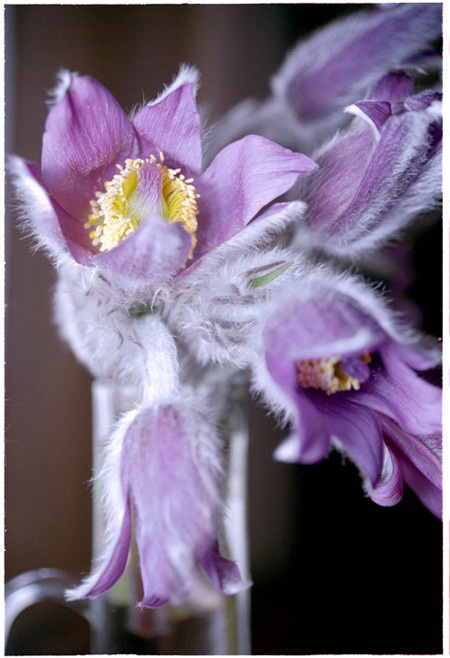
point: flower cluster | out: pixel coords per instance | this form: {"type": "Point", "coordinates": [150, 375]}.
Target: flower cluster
{"type": "Point", "coordinates": [173, 277]}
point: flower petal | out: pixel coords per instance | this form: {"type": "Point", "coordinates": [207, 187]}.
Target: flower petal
{"type": "Point", "coordinates": [359, 431]}
{"type": "Point", "coordinates": [329, 190]}
{"type": "Point", "coordinates": [115, 491]}
{"type": "Point", "coordinates": [393, 87]}
{"type": "Point", "coordinates": [309, 426]}
{"type": "Point", "coordinates": [396, 391]}
{"type": "Point", "coordinates": [376, 113]}
{"type": "Point", "coordinates": [424, 452]}
{"type": "Point", "coordinates": [242, 178]}
{"type": "Point", "coordinates": [224, 574]}
{"type": "Point", "coordinates": [86, 134]}
{"type": "Point", "coordinates": [52, 227]}
{"type": "Point", "coordinates": [174, 470]}
{"type": "Point", "coordinates": [321, 324]}
{"type": "Point", "coordinates": [171, 123]}
{"type": "Point", "coordinates": [389, 489]}
{"type": "Point", "coordinates": [397, 180]}
{"type": "Point", "coordinates": [156, 250]}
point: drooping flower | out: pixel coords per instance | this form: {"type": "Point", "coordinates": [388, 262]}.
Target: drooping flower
{"type": "Point", "coordinates": [337, 365]}
{"type": "Point", "coordinates": [163, 471]}
{"type": "Point", "coordinates": [380, 174]}
{"type": "Point", "coordinates": [334, 67]}
{"type": "Point", "coordinates": [127, 196]}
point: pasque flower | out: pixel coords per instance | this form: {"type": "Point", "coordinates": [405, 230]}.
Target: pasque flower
{"type": "Point", "coordinates": [379, 174]}
{"type": "Point", "coordinates": [128, 196]}
{"type": "Point", "coordinates": [337, 364]}
{"type": "Point", "coordinates": [167, 271]}
{"type": "Point", "coordinates": [334, 67]}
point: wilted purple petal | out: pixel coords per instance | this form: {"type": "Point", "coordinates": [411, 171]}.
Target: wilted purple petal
{"type": "Point", "coordinates": [242, 179]}
{"type": "Point", "coordinates": [86, 134]}
{"type": "Point", "coordinates": [172, 125]}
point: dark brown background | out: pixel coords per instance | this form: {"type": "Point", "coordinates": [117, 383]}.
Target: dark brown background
{"type": "Point", "coordinates": [332, 572]}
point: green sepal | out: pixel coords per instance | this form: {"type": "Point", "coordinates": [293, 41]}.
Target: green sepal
{"type": "Point", "coordinates": [139, 310]}
{"type": "Point", "coordinates": [270, 276]}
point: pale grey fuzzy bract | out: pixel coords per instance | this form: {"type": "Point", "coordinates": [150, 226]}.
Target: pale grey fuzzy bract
{"type": "Point", "coordinates": [93, 316]}
{"type": "Point", "coordinates": [213, 308]}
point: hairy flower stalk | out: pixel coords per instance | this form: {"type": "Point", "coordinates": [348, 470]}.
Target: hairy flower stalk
{"type": "Point", "coordinates": [173, 278]}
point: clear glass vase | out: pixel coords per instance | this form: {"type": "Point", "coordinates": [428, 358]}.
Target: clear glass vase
{"type": "Point", "coordinates": [207, 623]}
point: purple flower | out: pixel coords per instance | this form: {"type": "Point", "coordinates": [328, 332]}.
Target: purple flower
{"type": "Point", "coordinates": [340, 63]}
{"type": "Point", "coordinates": [335, 362]}
{"type": "Point", "coordinates": [163, 468]}
{"type": "Point", "coordinates": [378, 175]}
{"type": "Point", "coordinates": [332, 68]}
{"type": "Point", "coordinates": [126, 195]}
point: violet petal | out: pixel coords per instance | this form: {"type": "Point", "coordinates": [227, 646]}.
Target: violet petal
{"type": "Point", "coordinates": [156, 249]}
{"type": "Point", "coordinates": [376, 113]}
{"type": "Point", "coordinates": [174, 481]}
{"type": "Point", "coordinates": [398, 392]}
{"type": "Point", "coordinates": [86, 134]}
{"type": "Point", "coordinates": [240, 181]}
{"type": "Point", "coordinates": [389, 489]}
{"type": "Point", "coordinates": [224, 574]}
{"type": "Point", "coordinates": [172, 125]}
{"type": "Point", "coordinates": [393, 87]}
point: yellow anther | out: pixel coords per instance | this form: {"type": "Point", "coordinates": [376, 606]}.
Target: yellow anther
{"type": "Point", "coordinates": [326, 375]}
{"type": "Point", "coordinates": [111, 217]}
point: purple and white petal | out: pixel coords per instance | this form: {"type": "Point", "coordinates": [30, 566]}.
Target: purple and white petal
{"type": "Point", "coordinates": [396, 391]}
{"type": "Point", "coordinates": [224, 574]}
{"type": "Point", "coordinates": [171, 123]}
{"type": "Point", "coordinates": [175, 474]}
{"type": "Point", "coordinates": [389, 489]}
{"type": "Point", "coordinates": [86, 134]}
{"type": "Point", "coordinates": [240, 181]}
{"type": "Point", "coordinates": [396, 181]}
{"type": "Point", "coordinates": [156, 251]}
{"type": "Point", "coordinates": [37, 215]}
{"type": "Point", "coordinates": [113, 481]}
{"type": "Point", "coordinates": [376, 113]}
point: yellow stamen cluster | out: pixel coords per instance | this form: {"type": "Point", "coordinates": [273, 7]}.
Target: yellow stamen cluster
{"type": "Point", "coordinates": [111, 217]}
{"type": "Point", "coordinates": [326, 375]}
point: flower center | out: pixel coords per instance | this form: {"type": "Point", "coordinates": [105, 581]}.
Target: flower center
{"type": "Point", "coordinates": [116, 212]}
{"type": "Point", "coordinates": [333, 374]}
